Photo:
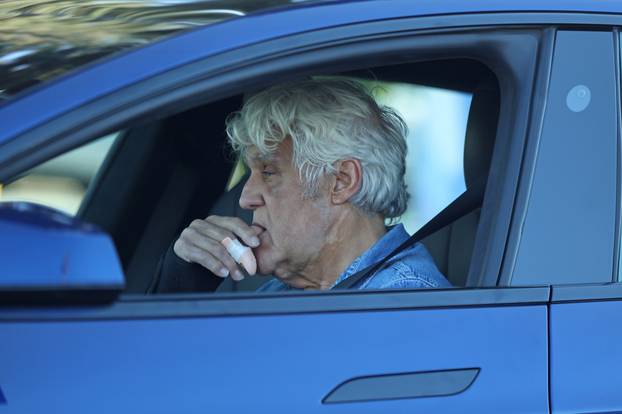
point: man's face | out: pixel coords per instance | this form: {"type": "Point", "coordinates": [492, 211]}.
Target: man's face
{"type": "Point", "coordinates": [295, 227]}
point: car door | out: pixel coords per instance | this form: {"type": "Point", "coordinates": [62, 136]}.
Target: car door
{"type": "Point", "coordinates": [570, 233]}
{"type": "Point", "coordinates": [456, 350]}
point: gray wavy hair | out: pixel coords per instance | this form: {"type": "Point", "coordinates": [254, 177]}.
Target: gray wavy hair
{"type": "Point", "coordinates": [330, 120]}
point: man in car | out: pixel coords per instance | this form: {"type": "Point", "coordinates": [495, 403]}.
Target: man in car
{"type": "Point", "coordinates": [327, 168]}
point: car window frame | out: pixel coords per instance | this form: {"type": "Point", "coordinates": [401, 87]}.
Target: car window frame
{"type": "Point", "coordinates": [176, 305]}
{"type": "Point", "coordinates": [101, 171]}
{"type": "Point", "coordinates": [370, 40]}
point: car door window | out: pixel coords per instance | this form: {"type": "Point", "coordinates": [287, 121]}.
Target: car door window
{"type": "Point", "coordinates": [151, 201]}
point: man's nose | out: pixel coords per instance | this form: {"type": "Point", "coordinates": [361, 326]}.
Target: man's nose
{"type": "Point", "coordinates": [251, 197]}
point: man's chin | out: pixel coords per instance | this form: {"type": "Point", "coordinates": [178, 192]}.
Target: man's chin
{"type": "Point", "coordinates": [265, 266]}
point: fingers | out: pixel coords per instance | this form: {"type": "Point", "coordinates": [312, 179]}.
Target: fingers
{"type": "Point", "coordinates": [219, 252]}
{"type": "Point", "coordinates": [200, 243]}
{"type": "Point", "coordinates": [235, 225]}
{"type": "Point", "coordinates": [221, 265]}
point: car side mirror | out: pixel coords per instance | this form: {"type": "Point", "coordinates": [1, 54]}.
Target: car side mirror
{"type": "Point", "coordinates": [47, 256]}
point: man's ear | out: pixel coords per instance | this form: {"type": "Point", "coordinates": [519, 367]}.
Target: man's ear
{"type": "Point", "coordinates": [347, 182]}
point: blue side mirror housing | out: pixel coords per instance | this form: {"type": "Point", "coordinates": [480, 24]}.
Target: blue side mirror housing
{"type": "Point", "coordinates": [49, 256]}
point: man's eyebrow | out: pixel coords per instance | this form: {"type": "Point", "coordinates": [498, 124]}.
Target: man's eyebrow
{"type": "Point", "coordinates": [270, 157]}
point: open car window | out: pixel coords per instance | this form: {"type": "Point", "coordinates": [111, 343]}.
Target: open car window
{"type": "Point", "coordinates": [173, 165]}
{"type": "Point", "coordinates": [167, 172]}
{"type": "Point", "coordinates": [174, 170]}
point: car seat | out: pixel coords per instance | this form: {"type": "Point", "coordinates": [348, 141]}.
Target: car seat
{"type": "Point", "coordinates": [452, 245]}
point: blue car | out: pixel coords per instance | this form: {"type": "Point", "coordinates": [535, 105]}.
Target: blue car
{"type": "Point", "coordinates": [514, 166]}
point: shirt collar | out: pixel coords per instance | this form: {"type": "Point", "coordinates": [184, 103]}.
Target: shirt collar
{"type": "Point", "coordinates": [378, 251]}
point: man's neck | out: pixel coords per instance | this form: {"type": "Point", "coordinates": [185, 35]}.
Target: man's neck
{"type": "Point", "coordinates": [350, 236]}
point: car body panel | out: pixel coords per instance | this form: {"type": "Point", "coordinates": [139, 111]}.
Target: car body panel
{"type": "Point", "coordinates": [553, 238]}
{"type": "Point", "coordinates": [273, 363]}
{"type": "Point", "coordinates": [586, 358]}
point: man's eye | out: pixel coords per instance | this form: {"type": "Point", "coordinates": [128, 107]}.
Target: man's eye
{"type": "Point", "coordinates": [267, 170]}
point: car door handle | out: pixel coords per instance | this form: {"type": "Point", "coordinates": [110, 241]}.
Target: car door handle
{"type": "Point", "coordinates": [403, 385]}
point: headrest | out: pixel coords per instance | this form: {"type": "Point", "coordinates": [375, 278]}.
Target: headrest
{"type": "Point", "coordinates": [480, 134]}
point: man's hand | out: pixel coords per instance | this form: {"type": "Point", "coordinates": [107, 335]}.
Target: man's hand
{"type": "Point", "coordinates": [200, 243]}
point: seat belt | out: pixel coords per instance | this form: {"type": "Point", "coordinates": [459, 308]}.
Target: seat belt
{"type": "Point", "coordinates": [467, 202]}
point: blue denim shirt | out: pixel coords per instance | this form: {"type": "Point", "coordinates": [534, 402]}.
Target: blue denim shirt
{"type": "Point", "coordinates": [412, 268]}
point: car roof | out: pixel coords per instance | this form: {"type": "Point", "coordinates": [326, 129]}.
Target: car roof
{"type": "Point", "coordinates": [264, 24]}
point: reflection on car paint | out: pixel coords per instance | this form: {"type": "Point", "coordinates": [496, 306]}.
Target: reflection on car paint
{"type": "Point", "coordinates": [41, 40]}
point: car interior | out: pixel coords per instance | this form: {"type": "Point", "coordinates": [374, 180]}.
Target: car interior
{"type": "Point", "coordinates": [162, 174]}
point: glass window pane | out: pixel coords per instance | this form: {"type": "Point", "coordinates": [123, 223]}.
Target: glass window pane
{"type": "Point", "coordinates": [61, 182]}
